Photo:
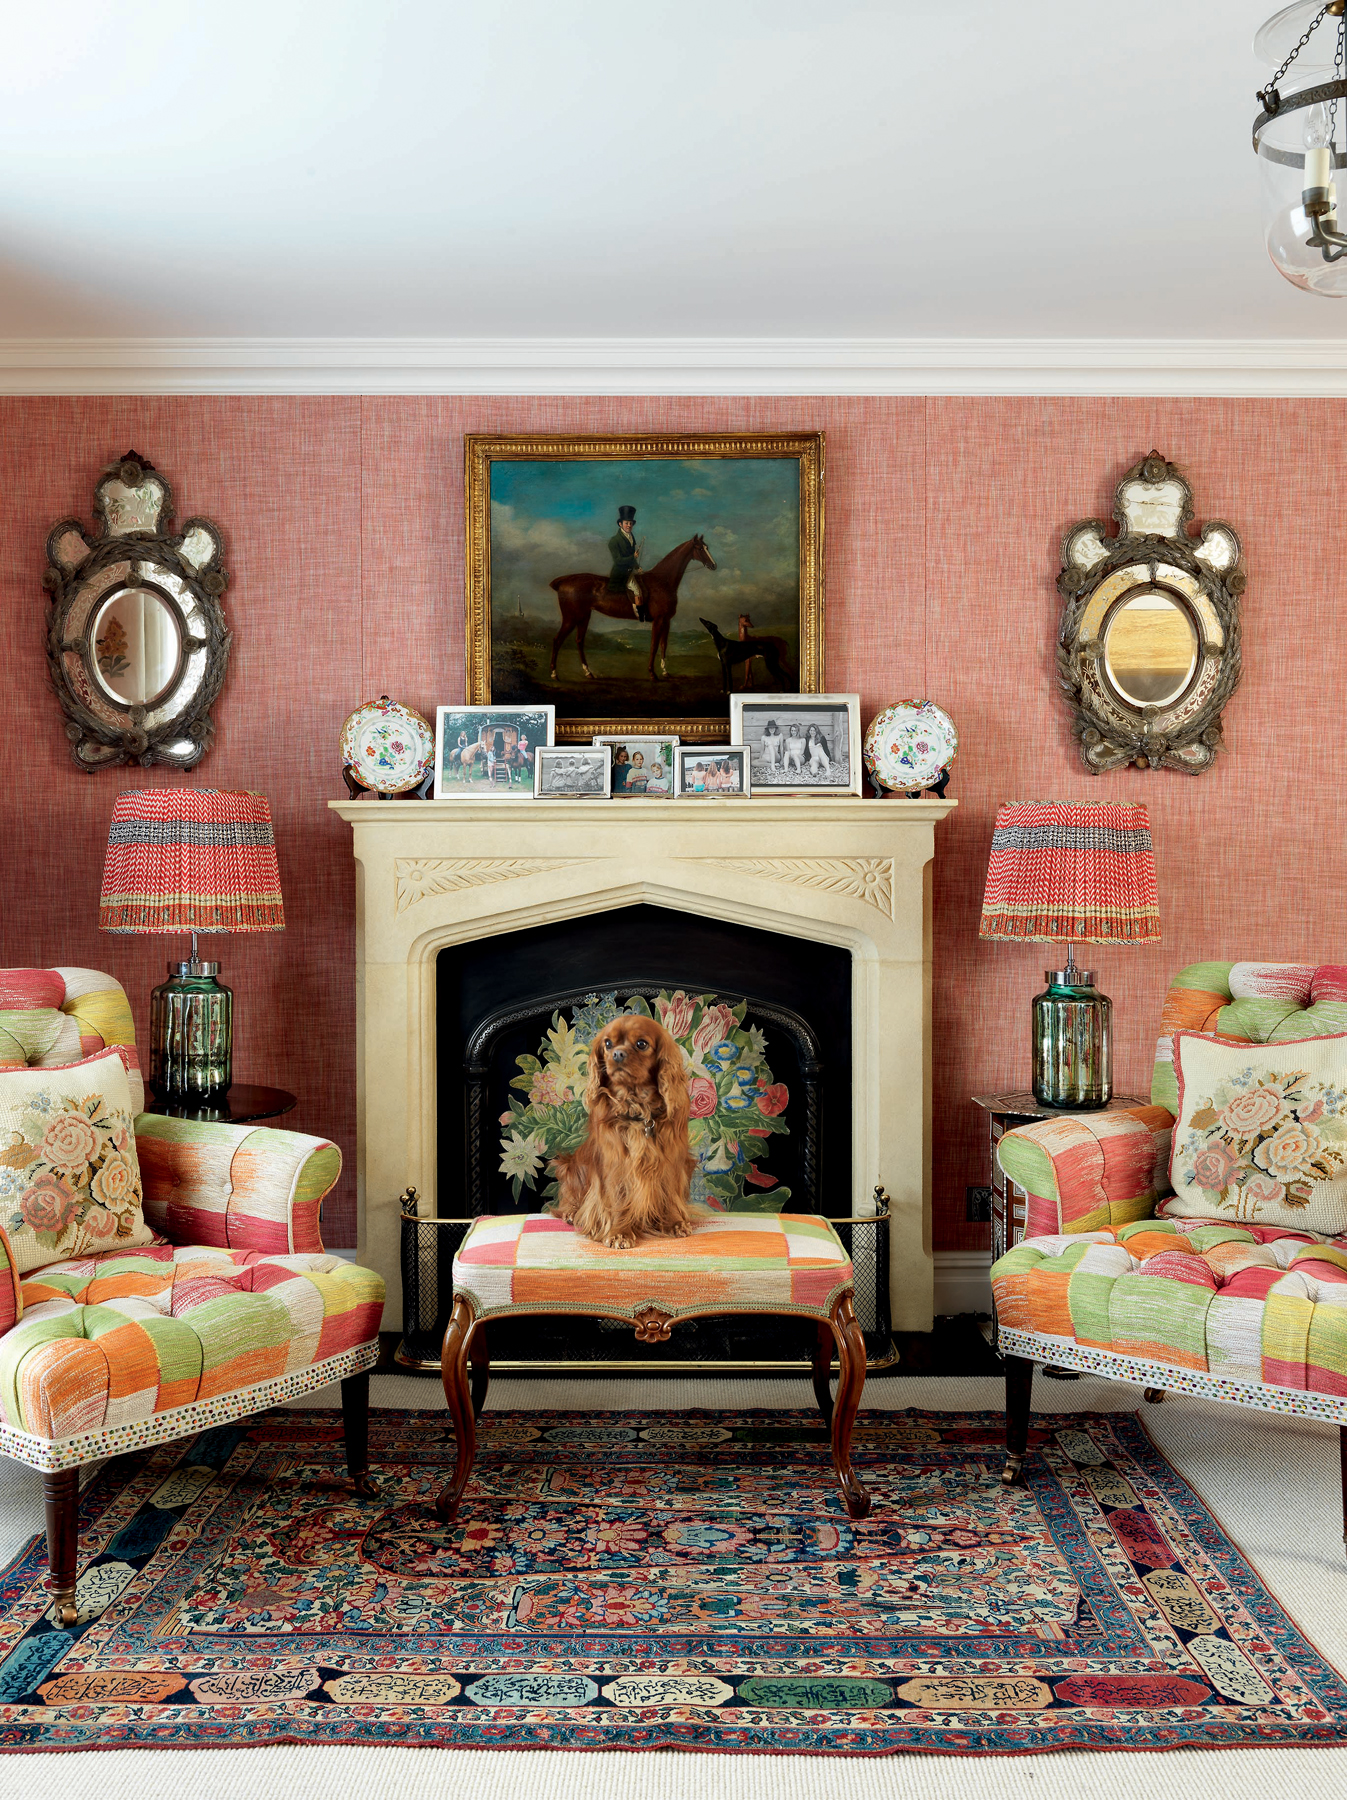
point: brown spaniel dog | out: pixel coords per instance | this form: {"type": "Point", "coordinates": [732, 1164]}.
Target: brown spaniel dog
{"type": "Point", "coordinates": [630, 1178]}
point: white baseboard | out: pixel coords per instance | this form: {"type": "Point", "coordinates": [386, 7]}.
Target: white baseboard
{"type": "Point", "coordinates": [962, 1281]}
{"type": "Point", "coordinates": [1205, 367]}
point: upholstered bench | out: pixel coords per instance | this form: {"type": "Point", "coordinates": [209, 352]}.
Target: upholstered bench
{"type": "Point", "coordinates": [791, 1263]}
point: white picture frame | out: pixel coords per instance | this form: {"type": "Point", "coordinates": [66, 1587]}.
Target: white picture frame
{"type": "Point", "coordinates": [815, 749]}
{"type": "Point", "coordinates": [494, 770]}
{"type": "Point", "coordinates": [691, 760]}
{"type": "Point", "coordinates": [573, 772]}
{"type": "Point", "coordinates": [658, 780]}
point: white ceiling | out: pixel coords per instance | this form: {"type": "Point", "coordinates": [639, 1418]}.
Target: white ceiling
{"type": "Point", "coordinates": [668, 168]}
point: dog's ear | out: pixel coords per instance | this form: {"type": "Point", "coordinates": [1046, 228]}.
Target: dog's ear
{"type": "Point", "coordinates": [672, 1082]}
{"type": "Point", "coordinates": [597, 1073]}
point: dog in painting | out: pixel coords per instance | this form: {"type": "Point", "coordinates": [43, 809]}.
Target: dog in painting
{"type": "Point", "coordinates": [632, 1176]}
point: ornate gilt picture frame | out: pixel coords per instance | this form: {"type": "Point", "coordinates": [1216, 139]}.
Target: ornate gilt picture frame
{"type": "Point", "coordinates": [635, 582]}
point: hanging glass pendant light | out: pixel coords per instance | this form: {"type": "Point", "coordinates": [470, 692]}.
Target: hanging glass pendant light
{"type": "Point", "coordinates": [1299, 137]}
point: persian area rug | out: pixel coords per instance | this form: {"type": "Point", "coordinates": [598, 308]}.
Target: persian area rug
{"type": "Point", "coordinates": [648, 1581]}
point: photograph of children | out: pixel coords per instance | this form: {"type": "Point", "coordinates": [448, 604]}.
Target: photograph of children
{"type": "Point", "coordinates": [642, 767]}
{"type": "Point", "coordinates": [800, 743]}
{"type": "Point", "coordinates": [487, 752]}
{"type": "Point", "coordinates": [572, 773]}
{"type": "Point", "coordinates": [713, 771]}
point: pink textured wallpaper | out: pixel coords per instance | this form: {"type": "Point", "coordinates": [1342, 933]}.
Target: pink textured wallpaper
{"type": "Point", "coordinates": [343, 523]}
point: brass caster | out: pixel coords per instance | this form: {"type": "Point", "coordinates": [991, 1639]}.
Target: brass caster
{"type": "Point", "coordinates": [64, 1613]}
{"type": "Point", "coordinates": [365, 1485]}
{"type": "Point", "coordinates": [1013, 1471]}
{"type": "Point", "coordinates": [1154, 1395]}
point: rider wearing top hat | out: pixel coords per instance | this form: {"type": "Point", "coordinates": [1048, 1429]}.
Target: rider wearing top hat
{"type": "Point", "coordinates": [626, 555]}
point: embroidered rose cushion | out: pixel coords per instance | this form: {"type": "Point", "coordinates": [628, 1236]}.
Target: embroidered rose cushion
{"type": "Point", "coordinates": [1261, 1136]}
{"type": "Point", "coordinates": [69, 1175]}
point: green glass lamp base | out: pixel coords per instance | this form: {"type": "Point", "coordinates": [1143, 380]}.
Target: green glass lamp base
{"type": "Point", "coordinates": [191, 1032]}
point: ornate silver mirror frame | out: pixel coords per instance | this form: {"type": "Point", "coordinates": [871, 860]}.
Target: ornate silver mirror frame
{"type": "Point", "coordinates": [137, 644]}
{"type": "Point", "coordinates": [1148, 651]}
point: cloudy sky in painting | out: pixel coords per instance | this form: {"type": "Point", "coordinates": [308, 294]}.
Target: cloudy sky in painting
{"type": "Point", "coordinates": [555, 518]}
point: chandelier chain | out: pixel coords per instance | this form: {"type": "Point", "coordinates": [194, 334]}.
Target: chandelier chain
{"type": "Point", "coordinates": [1269, 96]}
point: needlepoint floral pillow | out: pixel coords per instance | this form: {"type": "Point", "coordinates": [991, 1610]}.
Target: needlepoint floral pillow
{"type": "Point", "coordinates": [69, 1174]}
{"type": "Point", "coordinates": [1262, 1132]}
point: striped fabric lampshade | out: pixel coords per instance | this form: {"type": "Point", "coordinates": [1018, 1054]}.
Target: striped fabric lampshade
{"type": "Point", "coordinates": [1071, 870]}
{"type": "Point", "coordinates": [191, 859]}
{"type": "Point", "coordinates": [1064, 871]}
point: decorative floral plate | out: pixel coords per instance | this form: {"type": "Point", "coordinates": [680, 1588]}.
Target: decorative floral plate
{"type": "Point", "coordinates": [909, 745]}
{"type": "Point", "coordinates": [387, 747]}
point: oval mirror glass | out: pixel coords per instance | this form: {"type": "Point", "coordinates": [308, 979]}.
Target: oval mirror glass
{"type": "Point", "coordinates": [1150, 649]}
{"type": "Point", "coordinates": [137, 646]}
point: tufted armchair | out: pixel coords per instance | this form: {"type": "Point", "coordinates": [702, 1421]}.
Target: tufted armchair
{"type": "Point", "coordinates": [231, 1308]}
{"type": "Point", "coordinates": [1105, 1281]}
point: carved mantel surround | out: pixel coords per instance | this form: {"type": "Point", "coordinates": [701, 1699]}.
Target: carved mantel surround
{"type": "Point", "coordinates": [850, 872]}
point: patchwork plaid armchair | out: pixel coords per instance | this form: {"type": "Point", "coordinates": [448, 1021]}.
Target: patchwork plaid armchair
{"type": "Point", "coordinates": [231, 1306]}
{"type": "Point", "coordinates": [1111, 1280]}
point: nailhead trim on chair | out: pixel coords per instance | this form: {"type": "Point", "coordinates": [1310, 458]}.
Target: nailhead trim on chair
{"type": "Point", "coordinates": [1062, 1353]}
{"type": "Point", "coordinates": [182, 1421]}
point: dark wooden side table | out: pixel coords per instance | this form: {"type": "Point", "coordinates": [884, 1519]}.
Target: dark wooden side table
{"type": "Point", "coordinates": [236, 1106]}
{"type": "Point", "coordinates": [1009, 1201]}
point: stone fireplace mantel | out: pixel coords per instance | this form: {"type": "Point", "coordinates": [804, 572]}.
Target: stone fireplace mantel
{"type": "Point", "coordinates": [848, 872]}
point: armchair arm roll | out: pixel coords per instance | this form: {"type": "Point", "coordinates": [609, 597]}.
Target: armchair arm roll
{"type": "Point", "coordinates": [1087, 1171]}
{"type": "Point", "coordinates": [240, 1187]}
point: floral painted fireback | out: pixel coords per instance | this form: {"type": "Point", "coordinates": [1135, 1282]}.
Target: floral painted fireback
{"type": "Point", "coordinates": [737, 1105]}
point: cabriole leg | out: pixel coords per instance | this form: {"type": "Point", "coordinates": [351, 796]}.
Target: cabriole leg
{"type": "Point", "coordinates": [454, 1373]}
{"type": "Point", "coordinates": [1019, 1395]}
{"type": "Point", "coordinates": [823, 1371]}
{"type": "Point", "coordinates": [851, 1379]}
{"type": "Point", "coordinates": [61, 1492]}
{"type": "Point", "coordinates": [355, 1426]}
{"type": "Point", "coordinates": [479, 1351]}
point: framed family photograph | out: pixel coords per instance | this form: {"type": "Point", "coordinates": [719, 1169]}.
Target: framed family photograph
{"type": "Point", "coordinates": [572, 772]}
{"type": "Point", "coordinates": [643, 767]}
{"type": "Point", "coordinates": [635, 583]}
{"type": "Point", "coordinates": [488, 752]}
{"type": "Point", "coordinates": [800, 743]}
{"type": "Point", "coordinates": [714, 771]}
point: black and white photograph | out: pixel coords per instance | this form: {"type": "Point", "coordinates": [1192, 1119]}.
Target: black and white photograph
{"type": "Point", "coordinates": [643, 767]}
{"type": "Point", "coordinates": [800, 743]}
{"type": "Point", "coordinates": [572, 772]}
{"type": "Point", "coordinates": [712, 771]}
{"type": "Point", "coordinates": [487, 752]}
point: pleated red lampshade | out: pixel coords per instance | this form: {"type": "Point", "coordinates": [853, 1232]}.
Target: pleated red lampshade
{"type": "Point", "coordinates": [191, 859]}
{"type": "Point", "coordinates": [1064, 870]}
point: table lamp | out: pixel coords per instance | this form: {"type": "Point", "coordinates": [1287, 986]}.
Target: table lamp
{"type": "Point", "coordinates": [1072, 872]}
{"type": "Point", "coordinates": [198, 860]}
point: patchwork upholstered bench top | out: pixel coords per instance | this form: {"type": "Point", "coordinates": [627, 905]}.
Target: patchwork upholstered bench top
{"type": "Point", "coordinates": [733, 1262]}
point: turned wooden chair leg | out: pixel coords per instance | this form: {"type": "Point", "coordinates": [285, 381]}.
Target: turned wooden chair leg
{"type": "Point", "coordinates": [480, 1353]}
{"type": "Point", "coordinates": [823, 1371]}
{"type": "Point", "coordinates": [454, 1373]}
{"type": "Point", "coordinates": [851, 1379]}
{"type": "Point", "coordinates": [1019, 1394]}
{"type": "Point", "coordinates": [61, 1491]}
{"type": "Point", "coordinates": [355, 1426]}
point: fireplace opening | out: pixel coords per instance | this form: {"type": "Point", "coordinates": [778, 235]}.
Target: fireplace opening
{"type": "Point", "coordinates": [765, 1023]}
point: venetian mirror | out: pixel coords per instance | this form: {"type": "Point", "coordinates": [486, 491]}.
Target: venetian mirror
{"type": "Point", "coordinates": [137, 642]}
{"type": "Point", "coordinates": [1149, 646]}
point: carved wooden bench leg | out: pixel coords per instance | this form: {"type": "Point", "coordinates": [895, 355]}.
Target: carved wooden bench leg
{"type": "Point", "coordinates": [61, 1491]}
{"type": "Point", "coordinates": [1019, 1394]}
{"type": "Point", "coordinates": [454, 1373]}
{"type": "Point", "coordinates": [851, 1379]}
{"type": "Point", "coordinates": [479, 1351]}
{"type": "Point", "coordinates": [355, 1427]}
{"type": "Point", "coordinates": [823, 1371]}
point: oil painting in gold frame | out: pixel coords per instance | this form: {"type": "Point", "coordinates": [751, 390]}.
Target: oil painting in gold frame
{"type": "Point", "coordinates": [724, 535]}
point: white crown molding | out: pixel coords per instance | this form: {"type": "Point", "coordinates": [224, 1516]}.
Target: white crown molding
{"type": "Point", "coordinates": [1160, 367]}
{"type": "Point", "coordinates": [963, 1281]}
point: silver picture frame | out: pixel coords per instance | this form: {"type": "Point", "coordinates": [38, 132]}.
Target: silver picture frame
{"type": "Point", "coordinates": [478, 754]}
{"type": "Point", "coordinates": [695, 764]}
{"type": "Point", "coordinates": [573, 772]}
{"type": "Point", "coordinates": [815, 749]}
{"type": "Point", "coordinates": [643, 765]}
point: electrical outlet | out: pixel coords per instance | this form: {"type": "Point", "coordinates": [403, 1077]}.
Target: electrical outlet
{"type": "Point", "coordinates": [979, 1205]}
